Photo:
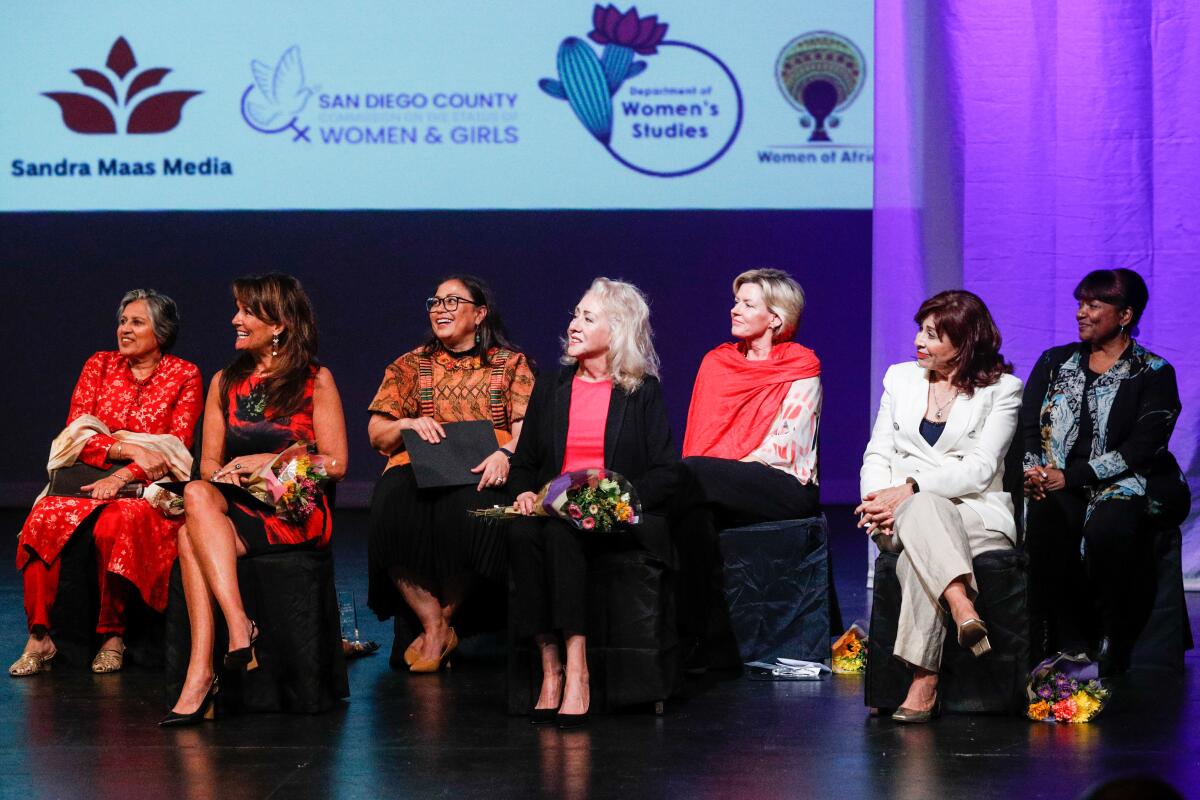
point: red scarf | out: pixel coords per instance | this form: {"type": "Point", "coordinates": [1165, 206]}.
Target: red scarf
{"type": "Point", "coordinates": [735, 400]}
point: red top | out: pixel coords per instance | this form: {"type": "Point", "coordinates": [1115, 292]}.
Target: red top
{"type": "Point", "coordinates": [252, 427]}
{"type": "Point", "coordinates": [585, 424]}
{"type": "Point", "coordinates": [168, 401]}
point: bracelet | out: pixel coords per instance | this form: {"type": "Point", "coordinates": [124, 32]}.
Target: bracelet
{"type": "Point", "coordinates": [507, 453]}
{"type": "Point", "coordinates": [120, 451]}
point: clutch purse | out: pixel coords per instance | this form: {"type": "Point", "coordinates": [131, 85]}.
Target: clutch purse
{"type": "Point", "coordinates": [66, 481]}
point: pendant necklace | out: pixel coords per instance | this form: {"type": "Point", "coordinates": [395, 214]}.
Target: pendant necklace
{"type": "Point", "coordinates": [940, 408]}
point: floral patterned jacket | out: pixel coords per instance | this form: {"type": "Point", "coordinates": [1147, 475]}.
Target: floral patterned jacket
{"type": "Point", "coordinates": [1133, 406]}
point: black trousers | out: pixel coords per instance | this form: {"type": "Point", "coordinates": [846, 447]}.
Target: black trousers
{"type": "Point", "coordinates": [1106, 593]}
{"type": "Point", "coordinates": [746, 492]}
{"type": "Point", "coordinates": [548, 559]}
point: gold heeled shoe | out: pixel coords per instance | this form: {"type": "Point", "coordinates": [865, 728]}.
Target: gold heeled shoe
{"type": "Point", "coordinates": [31, 663]}
{"type": "Point", "coordinates": [912, 716]}
{"type": "Point", "coordinates": [107, 661]}
{"type": "Point", "coordinates": [413, 652]}
{"type": "Point", "coordinates": [972, 635]}
{"type": "Point", "coordinates": [435, 664]}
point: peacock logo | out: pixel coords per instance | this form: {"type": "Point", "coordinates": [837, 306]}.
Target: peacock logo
{"type": "Point", "coordinates": [820, 75]}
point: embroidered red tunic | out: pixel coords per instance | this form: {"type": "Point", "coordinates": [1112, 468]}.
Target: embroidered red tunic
{"type": "Point", "coordinates": [168, 401]}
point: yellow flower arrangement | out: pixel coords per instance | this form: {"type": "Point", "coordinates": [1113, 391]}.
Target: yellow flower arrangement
{"type": "Point", "coordinates": [850, 652]}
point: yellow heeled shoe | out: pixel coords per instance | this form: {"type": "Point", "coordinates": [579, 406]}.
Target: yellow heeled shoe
{"type": "Point", "coordinates": [413, 652]}
{"type": "Point", "coordinates": [435, 664]}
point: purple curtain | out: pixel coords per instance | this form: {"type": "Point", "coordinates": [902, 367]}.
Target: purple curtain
{"type": "Point", "coordinates": [1020, 145]}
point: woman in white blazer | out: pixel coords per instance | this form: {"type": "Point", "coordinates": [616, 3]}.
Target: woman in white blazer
{"type": "Point", "coordinates": [931, 481]}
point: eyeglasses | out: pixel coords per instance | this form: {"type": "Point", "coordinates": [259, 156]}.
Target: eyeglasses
{"type": "Point", "coordinates": [449, 303]}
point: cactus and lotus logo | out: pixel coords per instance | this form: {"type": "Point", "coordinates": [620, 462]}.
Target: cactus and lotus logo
{"type": "Point", "coordinates": [124, 105]}
{"type": "Point", "coordinates": [272, 104]}
{"type": "Point", "coordinates": [680, 116]}
{"type": "Point", "coordinates": [820, 73]}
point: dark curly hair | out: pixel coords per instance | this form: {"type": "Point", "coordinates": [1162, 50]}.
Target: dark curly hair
{"type": "Point", "coordinates": [962, 317]}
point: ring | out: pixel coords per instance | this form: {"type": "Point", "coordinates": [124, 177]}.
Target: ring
{"type": "Point", "coordinates": [237, 466]}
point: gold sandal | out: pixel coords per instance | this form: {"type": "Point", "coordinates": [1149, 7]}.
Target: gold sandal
{"type": "Point", "coordinates": [31, 663]}
{"type": "Point", "coordinates": [108, 661]}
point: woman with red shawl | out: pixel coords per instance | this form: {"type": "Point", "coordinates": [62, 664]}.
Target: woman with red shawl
{"type": "Point", "coordinates": [750, 450]}
{"type": "Point", "coordinates": [751, 441]}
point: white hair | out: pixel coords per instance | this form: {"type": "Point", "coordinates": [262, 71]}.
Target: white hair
{"type": "Point", "coordinates": [631, 356]}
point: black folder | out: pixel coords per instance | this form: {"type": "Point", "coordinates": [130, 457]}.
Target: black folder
{"type": "Point", "coordinates": [65, 481]}
{"type": "Point", "coordinates": [450, 461]}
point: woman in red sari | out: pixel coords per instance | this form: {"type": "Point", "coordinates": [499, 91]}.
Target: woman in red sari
{"type": "Point", "coordinates": [272, 396]}
{"type": "Point", "coordinates": [138, 392]}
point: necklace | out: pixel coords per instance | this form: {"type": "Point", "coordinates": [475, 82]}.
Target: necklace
{"type": "Point", "coordinates": [940, 408]}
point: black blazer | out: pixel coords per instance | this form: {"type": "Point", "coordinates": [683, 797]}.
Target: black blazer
{"type": "Point", "coordinates": [1140, 423]}
{"type": "Point", "coordinates": [637, 439]}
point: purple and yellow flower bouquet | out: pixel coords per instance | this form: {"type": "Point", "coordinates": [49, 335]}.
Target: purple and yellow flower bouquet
{"type": "Point", "coordinates": [1066, 688]}
{"type": "Point", "coordinates": [590, 499]}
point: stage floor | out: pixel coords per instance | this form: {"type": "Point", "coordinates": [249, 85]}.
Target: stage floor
{"type": "Point", "coordinates": [73, 734]}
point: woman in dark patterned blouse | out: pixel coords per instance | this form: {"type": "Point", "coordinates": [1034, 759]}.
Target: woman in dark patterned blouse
{"type": "Point", "coordinates": [274, 394]}
{"type": "Point", "coordinates": [424, 548]}
{"type": "Point", "coordinates": [1095, 422]}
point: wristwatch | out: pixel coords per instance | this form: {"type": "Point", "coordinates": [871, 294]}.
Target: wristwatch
{"type": "Point", "coordinates": [913, 483]}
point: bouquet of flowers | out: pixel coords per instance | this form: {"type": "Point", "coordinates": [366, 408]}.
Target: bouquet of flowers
{"type": "Point", "coordinates": [850, 652]}
{"type": "Point", "coordinates": [589, 499]}
{"type": "Point", "coordinates": [1066, 688]}
{"type": "Point", "coordinates": [291, 482]}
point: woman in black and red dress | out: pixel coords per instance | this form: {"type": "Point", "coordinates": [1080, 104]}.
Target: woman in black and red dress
{"type": "Point", "coordinates": [273, 395]}
{"type": "Point", "coordinates": [137, 392]}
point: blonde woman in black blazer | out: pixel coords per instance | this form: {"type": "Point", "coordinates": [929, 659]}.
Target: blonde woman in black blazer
{"type": "Point", "coordinates": [604, 409]}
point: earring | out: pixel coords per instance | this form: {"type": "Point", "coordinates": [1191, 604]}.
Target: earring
{"type": "Point", "coordinates": [476, 337]}
{"type": "Point", "coordinates": [1122, 330]}
{"type": "Point", "coordinates": [275, 345]}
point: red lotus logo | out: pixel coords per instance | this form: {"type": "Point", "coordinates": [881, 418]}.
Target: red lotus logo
{"type": "Point", "coordinates": [156, 113]}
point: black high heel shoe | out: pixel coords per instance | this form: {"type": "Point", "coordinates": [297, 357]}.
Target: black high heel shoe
{"type": "Point", "coordinates": [244, 657]}
{"type": "Point", "coordinates": [568, 722]}
{"type": "Point", "coordinates": [546, 716]}
{"type": "Point", "coordinates": [206, 710]}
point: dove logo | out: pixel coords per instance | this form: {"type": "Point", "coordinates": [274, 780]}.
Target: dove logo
{"type": "Point", "coordinates": [111, 107]}
{"type": "Point", "coordinates": [272, 104]}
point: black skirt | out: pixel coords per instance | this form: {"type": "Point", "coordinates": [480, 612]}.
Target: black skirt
{"type": "Point", "coordinates": [429, 534]}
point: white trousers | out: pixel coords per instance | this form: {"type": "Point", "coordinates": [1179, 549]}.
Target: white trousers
{"type": "Point", "coordinates": [936, 539]}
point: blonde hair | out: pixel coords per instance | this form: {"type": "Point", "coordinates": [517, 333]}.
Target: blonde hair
{"type": "Point", "coordinates": [782, 294]}
{"type": "Point", "coordinates": [631, 356]}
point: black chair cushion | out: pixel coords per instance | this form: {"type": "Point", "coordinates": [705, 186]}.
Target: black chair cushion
{"type": "Point", "coordinates": [302, 669]}
{"type": "Point", "coordinates": [991, 684]}
{"type": "Point", "coordinates": [777, 588]}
